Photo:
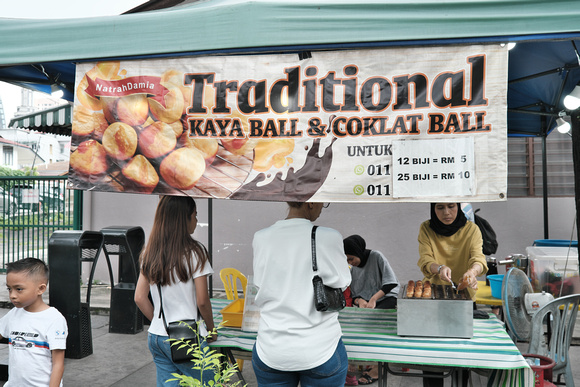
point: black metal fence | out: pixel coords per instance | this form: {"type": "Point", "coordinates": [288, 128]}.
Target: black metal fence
{"type": "Point", "coordinates": [31, 209]}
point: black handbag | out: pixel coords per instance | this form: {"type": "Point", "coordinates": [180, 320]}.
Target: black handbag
{"type": "Point", "coordinates": [326, 299]}
{"type": "Point", "coordinates": [185, 330]}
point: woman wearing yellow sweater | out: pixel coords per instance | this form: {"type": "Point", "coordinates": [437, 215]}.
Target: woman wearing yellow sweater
{"type": "Point", "coordinates": [450, 249]}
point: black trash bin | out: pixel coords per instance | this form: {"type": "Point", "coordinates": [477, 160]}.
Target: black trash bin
{"type": "Point", "coordinates": [67, 250]}
{"type": "Point", "coordinates": [125, 244]}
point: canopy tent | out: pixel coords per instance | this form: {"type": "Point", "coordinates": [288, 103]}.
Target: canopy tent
{"type": "Point", "coordinates": [41, 53]}
{"type": "Point", "coordinates": [543, 67]}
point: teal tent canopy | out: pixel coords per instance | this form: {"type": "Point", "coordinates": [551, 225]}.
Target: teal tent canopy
{"type": "Point", "coordinates": [39, 53]}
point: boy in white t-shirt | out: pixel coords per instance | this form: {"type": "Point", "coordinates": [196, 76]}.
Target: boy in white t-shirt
{"type": "Point", "coordinates": [36, 332]}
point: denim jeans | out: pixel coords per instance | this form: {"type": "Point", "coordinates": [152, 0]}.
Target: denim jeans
{"type": "Point", "coordinates": [161, 350]}
{"type": "Point", "coordinates": [329, 374]}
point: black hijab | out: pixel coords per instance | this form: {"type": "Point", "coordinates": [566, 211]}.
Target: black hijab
{"type": "Point", "coordinates": [443, 229]}
{"type": "Point", "coordinates": [356, 245]}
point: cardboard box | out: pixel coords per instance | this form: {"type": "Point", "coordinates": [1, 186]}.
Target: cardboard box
{"type": "Point", "coordinates": [552, 268]}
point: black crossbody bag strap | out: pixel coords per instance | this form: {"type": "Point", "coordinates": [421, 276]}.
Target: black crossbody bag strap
{"type": "Point", "coordinates": [161, 314]}
{"type": "Point", "coordinates": [313, 244]}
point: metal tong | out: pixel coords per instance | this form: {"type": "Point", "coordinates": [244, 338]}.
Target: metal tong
{"type": "Point", "coordinates": [454, 287]}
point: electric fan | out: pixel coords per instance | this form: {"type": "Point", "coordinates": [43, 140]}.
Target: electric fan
{"type": "Point", "coordinates": [520, 303]}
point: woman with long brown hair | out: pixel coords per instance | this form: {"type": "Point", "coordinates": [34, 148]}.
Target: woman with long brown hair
{"type": "Point", "coordinates": [180, 264]}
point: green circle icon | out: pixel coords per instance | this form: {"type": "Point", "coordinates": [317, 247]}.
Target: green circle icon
{"type": "Point", "coordinates": [358, 190]}
{"type": "Point", "coordinates": [359, 170]}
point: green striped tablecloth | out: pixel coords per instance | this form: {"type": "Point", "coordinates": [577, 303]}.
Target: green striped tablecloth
{"type": "Point", "coordinates": [371, 335]}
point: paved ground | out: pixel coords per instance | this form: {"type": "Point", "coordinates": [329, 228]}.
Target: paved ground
{"type": "Point", "coordinates": [123, 360]}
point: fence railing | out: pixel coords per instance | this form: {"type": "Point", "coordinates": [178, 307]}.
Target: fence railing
{"type": "Point", "coordinates": [31, 209]}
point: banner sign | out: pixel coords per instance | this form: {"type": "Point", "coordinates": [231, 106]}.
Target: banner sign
{"type": "Point", "coordinates": [376, 125]}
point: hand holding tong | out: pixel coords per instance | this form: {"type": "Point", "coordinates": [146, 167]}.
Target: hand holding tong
{"type": "Point", "coordinates": [452, 284]}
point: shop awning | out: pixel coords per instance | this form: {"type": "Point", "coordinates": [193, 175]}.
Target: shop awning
{"type": "Point", "coordinates": [56, 120]}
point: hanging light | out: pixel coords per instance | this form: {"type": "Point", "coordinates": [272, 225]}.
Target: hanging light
{"type": "Point", "coordinates": [562, 125]}
{"type": "Point", "coordinates": [57, 87]}
{"type": "Point", "coordinates": [509, 45]}
{"type": "Point", "coordinates": [572, 100]}
{"type": "Point", "coordinates": [56, 91]}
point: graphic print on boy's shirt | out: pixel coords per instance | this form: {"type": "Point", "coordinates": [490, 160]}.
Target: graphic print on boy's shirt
{"type": "Point", "coordinates": [24, 340]}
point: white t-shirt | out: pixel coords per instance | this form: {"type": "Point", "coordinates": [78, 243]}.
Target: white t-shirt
{"type": "Point", "coordinates": [292, 334]}
{"type": "Point", "coordinates": [179, 302]}
{"type": "Point", "coordinates": [32, 337]}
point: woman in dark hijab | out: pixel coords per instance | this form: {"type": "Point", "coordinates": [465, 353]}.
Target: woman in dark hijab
{"type": "Point", "coordinates": [450, 248]}
{"type": "Point", "coordinates": [373, 285]}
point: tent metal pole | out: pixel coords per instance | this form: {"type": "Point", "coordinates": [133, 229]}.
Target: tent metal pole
{"type": "Point", "coordinates": [566, 68]}
{"type": "Point", "coordinates": [545, 186]}
{"type": "Point", "coordinates": [544, 135]}
{"type": "Point", "coordinates": [575, 118]}
{"type": "Point", "coordinates": [523, 110]}
{"type": "Point", "coordinates": [210, 241]}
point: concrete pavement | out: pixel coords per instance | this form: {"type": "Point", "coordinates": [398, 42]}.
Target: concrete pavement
{"type": "Point", "coordinates": [123, 360]}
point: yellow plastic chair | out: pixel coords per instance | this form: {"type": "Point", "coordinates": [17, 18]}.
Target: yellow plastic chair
{"type": "Point", "coordinates": [230, 277]}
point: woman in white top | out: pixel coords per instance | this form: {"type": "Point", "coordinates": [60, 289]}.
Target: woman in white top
{"type": "Point", "coordinates": [296, 343]}
{"type": "Point", "coordinates": [179, 263]}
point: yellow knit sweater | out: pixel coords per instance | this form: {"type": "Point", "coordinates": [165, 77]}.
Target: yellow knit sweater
{"type": "Point", "coordinates": [459, 252]}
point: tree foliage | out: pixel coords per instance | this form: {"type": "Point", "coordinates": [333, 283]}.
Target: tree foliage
{"type": "Point", "coordinates": [5, 171]}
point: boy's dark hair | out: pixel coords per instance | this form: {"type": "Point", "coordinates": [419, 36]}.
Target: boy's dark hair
{"type": "Point", "coordinates": [32, 266]}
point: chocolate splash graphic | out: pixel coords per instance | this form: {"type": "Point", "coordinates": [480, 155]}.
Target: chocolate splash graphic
{"type": "Point", "coordinates": [299, 186]}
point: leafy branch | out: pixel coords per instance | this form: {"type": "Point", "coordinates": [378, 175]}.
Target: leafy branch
{"type": "Point", "coordinates": [205, 359]}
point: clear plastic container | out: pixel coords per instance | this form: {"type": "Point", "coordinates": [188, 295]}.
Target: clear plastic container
{"type": "Point", "coordinates": [553, 268]}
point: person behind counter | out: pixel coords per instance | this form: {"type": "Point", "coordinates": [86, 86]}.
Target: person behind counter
{"type": "Point", "coordinates": [450, 249]}
{"type": "Point", "coordinates": [374, 285]}
{"type": "Point", "coordinates": [296, 343]}
{"type": "Point", "coordinates": [173, 259]}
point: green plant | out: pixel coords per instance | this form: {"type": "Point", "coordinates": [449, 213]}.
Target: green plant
{"type": "Point", "coordinates": [26, 171]}
{"type": "Point", "coordinates": [205, 359]}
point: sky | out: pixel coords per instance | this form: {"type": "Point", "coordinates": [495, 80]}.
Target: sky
{"type": "Point", "coordinates": [53, 9]}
